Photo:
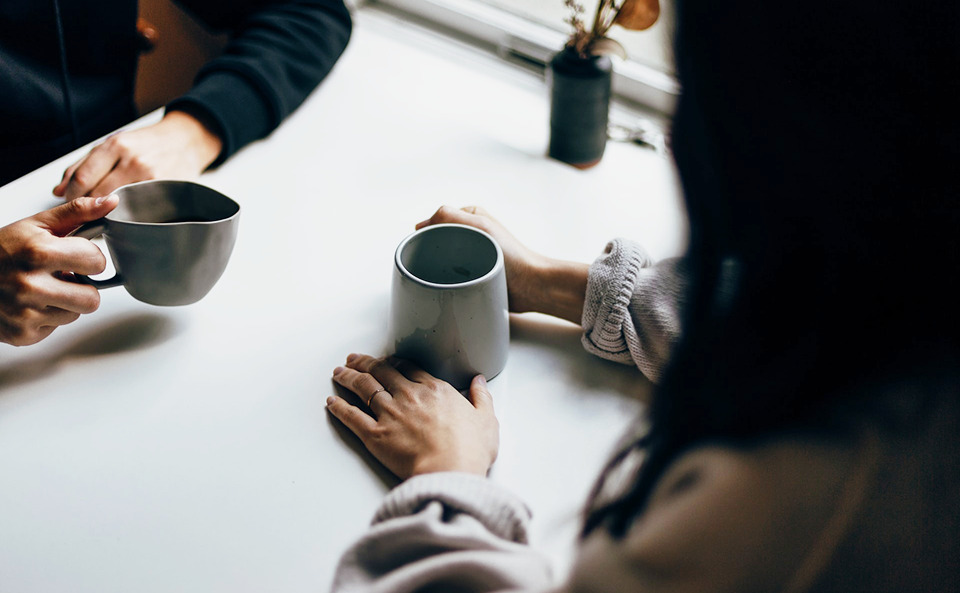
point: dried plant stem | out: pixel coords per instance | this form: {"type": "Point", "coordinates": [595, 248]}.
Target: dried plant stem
{"type": "Point", "coordinates": [615, 13]}
{"type": "Point", "coordinates": [598, 17]}
{"type": "Point", "coordinates": [634, 15]}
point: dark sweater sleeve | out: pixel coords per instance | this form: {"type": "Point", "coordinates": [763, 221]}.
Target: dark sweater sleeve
{"type": "Point", "coordinates": [278, 53]}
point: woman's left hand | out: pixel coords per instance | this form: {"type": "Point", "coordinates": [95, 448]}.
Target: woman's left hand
{"type": "Point", "coordinates": [414, 423]}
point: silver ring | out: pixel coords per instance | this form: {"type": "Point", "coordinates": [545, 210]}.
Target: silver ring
{"type": "Point", "coordinates": [372, 395]}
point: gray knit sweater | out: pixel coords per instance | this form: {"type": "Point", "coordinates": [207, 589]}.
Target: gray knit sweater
{"type": "Point", "coordinates": [631, 311]}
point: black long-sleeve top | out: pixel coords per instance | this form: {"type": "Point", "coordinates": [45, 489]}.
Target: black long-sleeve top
{"type": "Point", "coordinates": [67, 70]}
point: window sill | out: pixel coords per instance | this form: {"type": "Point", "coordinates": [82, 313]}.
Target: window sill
{"type": "Point", "coordinates": [516, 39]}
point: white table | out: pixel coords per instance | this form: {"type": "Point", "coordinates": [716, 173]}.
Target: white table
{"type": "Point", "coordinates": [188, 449]}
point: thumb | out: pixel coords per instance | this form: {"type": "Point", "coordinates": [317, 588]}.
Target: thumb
{"type": "Point", "coordinates": [479, 395]}
{"type": "Point", "coordinates": [66, 217]}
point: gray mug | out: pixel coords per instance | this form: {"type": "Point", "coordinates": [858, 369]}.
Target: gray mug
{"type": "Point", "coordinates": [169, 240]}
{"type": "Point", "coordinates": [449, 310]}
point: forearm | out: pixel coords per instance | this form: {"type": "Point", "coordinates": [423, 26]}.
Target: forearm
{"type": "Point", "coordinates": [200, 139]}
{"type": "Point", "coordinates": [279, 54]}
{"type": "Point", "coordinates": [556, 288]}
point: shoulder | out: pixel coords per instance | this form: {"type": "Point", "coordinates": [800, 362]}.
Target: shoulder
{"type": "Point", "coordinates": [726, 519]}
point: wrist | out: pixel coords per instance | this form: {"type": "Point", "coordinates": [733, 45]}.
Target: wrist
{"type": "Point", "coordinates": [439, 464]}
{"type": "Point", "coordinates": [203, 142]}
{"type": "Point", "coordinates": [558, 288]}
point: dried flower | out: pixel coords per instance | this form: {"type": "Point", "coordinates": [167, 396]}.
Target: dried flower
{"type": "Point", "coordinates": [635, 15]}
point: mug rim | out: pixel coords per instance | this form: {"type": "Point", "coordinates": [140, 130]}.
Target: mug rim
{"type": "Point", "coordinates": [108, 216]}
{"type": "Point", "coordinates": [497, 265]}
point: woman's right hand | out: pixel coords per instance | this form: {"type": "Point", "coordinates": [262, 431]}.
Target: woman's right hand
{"type": "Point", "coordinates": [535, 283]}
{"type": "Point", "coordinates": [522, 265]}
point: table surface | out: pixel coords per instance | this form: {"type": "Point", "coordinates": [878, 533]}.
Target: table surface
{"type": "Point", "coordinates": [188, 449]}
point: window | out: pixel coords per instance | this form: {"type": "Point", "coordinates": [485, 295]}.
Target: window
{"type": "Point", "coordinates": [651, 47]}
{"type": "Point", "coordinates": [533, 30]}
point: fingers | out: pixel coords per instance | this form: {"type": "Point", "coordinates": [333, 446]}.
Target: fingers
{"type": "Point", "coordinates": [117, 178]}
{"type": "Point", "coordinates": [54, 317]}
{"type": "Point", "coordinates": [77, 255]}
{"type": "Point", "coordinates": [381, 370]}
{"type": "Point", "coordinates": [410, 370]}
{"type": "Point", "coordinates": [66, 217]}
{"type": "Point", "coordinates": [29, 326]}
{"type": "Point", "coordinates": [470, 215]}
{"type": "Point", "coordinates": [61, 187]}
{"type": "Point", "coordinates": [352, 417]}
{"type": "Point", "coordinates": [361, 383]}
{"type": "Point", "coordinates": [67, 254]}
{"type": "Point", "coordinates": [479, 395]}
{"type": "Point", "coordinates": [16, 336]}
{"type": "Point", "coordinates": [43, 291]}
{"type": "Point", "coordinates": [91, 170]}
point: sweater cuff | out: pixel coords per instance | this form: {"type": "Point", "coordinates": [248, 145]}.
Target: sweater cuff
{"type": "Point", "coordinates": [232, 106]}
{"type": "Point", "coordinates": [502, 513]}
{"type": "Point", "coordinates": [610, 284]}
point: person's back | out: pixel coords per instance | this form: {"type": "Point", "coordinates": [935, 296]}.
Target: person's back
{"type": "Point", "coordinates": [813, 153]}
{"type": "Point", "coordinates": [805, 436]}
{"type": "Point", "coordinates": [63, 86]}
{"type": "Point", "coordinates": [902, 534]}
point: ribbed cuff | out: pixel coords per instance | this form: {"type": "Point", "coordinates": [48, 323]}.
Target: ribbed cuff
{"type": "Point", "coordinates": [501, 512]}
{"type": "Point", "coordinates": [610, 284]}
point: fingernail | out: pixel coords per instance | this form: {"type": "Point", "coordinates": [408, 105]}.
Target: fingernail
{"type": "Point", "coordinates": [337, 371]}
{"type": "Point", "coordinates": [330, 400]}
{"type": "Point", "coordinates": [351, 357]}
{"type": "Point", "coordinates": [102, 199]}
{"type": "Point", "coordinates": [482, 380]}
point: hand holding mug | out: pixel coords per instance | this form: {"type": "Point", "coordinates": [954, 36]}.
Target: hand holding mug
{"type": "Point", "coordinates": [36, 262]}
{"type": "Point", "coordinates": [414, 423]}
{"type": "Point", "coordinates": [169, 240]}
{"type": "Point", "coordinates": [535, 283]}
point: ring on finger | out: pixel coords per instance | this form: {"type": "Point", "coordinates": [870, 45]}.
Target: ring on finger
{"type": "Point", "coordinates": [373, 395]}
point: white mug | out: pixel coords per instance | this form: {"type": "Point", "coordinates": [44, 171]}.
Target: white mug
{"type": "Point", "coordinates": [449, 310]}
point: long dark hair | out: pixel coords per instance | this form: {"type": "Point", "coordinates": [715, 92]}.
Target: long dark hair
{"type": "Point", "coordinates": [819, 151]}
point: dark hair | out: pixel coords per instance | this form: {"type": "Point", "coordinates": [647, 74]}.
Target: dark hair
{"type": "Point", "coordinates": [818, 150]}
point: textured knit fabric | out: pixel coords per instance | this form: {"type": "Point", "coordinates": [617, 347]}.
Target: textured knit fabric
{"type": "Point", "coordinates": [54, 99]}
{"type": "Point", "coordinates": [796, 513]}
{"type": "Point", "coordinates": [445, 532]}
{"type": "Point", "coordinates": [631, 313]}
{"type": "Point", "coordinates": [454, 532]}
{"type": "Point", "coordinates": [791, 514]}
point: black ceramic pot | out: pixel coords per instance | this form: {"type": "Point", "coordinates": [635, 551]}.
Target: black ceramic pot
{"type": "Point", "coordinates": [579, 107]}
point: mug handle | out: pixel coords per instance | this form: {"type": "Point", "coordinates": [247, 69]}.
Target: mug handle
{"type": "Point", "coordinates": [92, 230]}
